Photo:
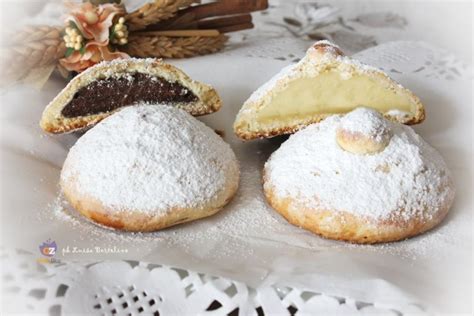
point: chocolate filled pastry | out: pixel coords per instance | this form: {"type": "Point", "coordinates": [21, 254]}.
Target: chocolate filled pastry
{"type": "Point", "coordinates": [323, 83]}
{"type": "Point", "coordinates": [148, 167]}
{"type": "Point", "coordinates": [103, 89]}
{"type": "Point", "coordinates": [359, 178]}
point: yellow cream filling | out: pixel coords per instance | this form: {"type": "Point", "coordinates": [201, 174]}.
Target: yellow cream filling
{"type": "Point", "coordinates": [328, 93]}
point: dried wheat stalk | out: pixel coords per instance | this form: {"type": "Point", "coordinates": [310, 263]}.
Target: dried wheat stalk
{"type": "Point", "coordinates": [31, 48]}
{"type": "Point", "coordinates": [154, 12]}
{"type": "Point", "coordinates": [36, 33]}
{"type": "Point", "coordinates": [173, 47]}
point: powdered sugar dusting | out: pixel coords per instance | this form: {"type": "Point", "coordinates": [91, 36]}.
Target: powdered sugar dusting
{"type": "Point", "coordinates": [367, 122]}
{"type": "Point", "coordinates": [107, 68]}
{"type": "Point", "coordinates": [246, 219]}
{"type": "Point", "coordinates": [408, 179]}
{"type": "Point", "coordinates": [151, 158]}
{"type": "Point", "coordinates": [108, 65]}
{"type": "Point", "coordinates": [122, 61]}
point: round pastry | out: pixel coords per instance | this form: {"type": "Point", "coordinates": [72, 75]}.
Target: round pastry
{"type": "Point", "coordinates": [149, 167]}
{"type": "Point", "coordinates": [359, 178]}
{"type": "Point", "coordinates": [363, 132]}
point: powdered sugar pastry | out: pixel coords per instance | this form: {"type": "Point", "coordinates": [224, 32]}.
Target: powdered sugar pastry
{"type": "Point", "coordinates": [408, 179]}
{"type": "Point", "coordinates": [150, 158]}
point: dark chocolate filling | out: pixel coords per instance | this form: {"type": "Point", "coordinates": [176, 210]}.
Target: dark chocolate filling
{"type": "Point", "coordinates": [112, 93]}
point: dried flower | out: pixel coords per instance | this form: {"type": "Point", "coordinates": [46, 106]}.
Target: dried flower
{"type": "Point", "coordinates": [73, 39]}
{"type": "Point", "coordinates": [87, 37]}
{"type": "Point", "coordinates": [120, 32]}
{"type": "Point", "coordinates": [93, 21]}
{"type": "Point", "coordinates": [93, 54]}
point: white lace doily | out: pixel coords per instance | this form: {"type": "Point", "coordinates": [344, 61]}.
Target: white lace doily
{"type": "Point", "coordinates": [133, 288]}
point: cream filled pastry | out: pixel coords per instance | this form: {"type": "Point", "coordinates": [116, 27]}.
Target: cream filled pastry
{"type": "Point", "coordinates": [148, 167]}
{"type": "Point", "coordinates": [109, 86]}
{"type": "Point", "coordinates": [359, 178]}
{"type": "Point", "coordinates": [323, 83]}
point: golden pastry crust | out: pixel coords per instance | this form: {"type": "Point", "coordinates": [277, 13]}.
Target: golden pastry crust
{"type": "Point", "coordinates": [348, 227]}
{"type": "Point", "coordinates": [321, 57]}
{"type": "Point", "coordinates": [53, 122]}
{"type": "Point", "coordinates": [138, 221]}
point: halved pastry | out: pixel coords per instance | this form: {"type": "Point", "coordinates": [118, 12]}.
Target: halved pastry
{"type": "Point", "coordinates": [323, 83]}
{"type": "Point", "coordinates": [101, 90]}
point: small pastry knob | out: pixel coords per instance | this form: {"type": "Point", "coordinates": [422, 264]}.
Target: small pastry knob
{"type": "Point", "coordinates": [321, 48]}
{"type": "Point", "coordinates": [363, 131]}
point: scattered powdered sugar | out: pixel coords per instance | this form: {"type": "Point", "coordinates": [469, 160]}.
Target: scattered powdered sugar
{"type": "Point", "coordinates": [433, 244]}
{"type": "Point", "coordinates": [246, 224]}
{"type": "Point", "coordinates": [108, 65]}
{"type": "Point", "coordinates": [367, 122]}
{"type": "Point", "coordinates": [242, 229]}
{"type": "Point", "coordinates": [247, 219]}
{"type": "Point", "coordinates": [150, 158]}
{"type": "Point", "coordinates": [237, 232]}
{"type": "Point", "coordinates": [407, 179]}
